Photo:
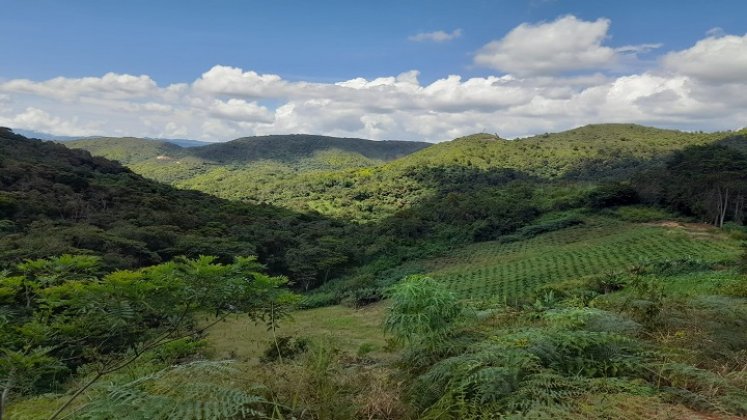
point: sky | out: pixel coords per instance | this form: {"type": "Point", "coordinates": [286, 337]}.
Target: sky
{"type": "Point", "coordinates": [428, 70]}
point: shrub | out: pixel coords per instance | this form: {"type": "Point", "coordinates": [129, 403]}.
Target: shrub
{"type": "Point", "coordinates": [286, 347]}
{"type": "Point", "coordinates": [641, 214]}
{"type": "Point", "coordinates": [180, 350]}
{"type": "Point", "coordinates": [612, 195]}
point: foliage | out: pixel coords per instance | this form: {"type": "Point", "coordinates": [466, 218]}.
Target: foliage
{"type": "Point", "coordinates": [60, 314]}
{"type": "Point", "coordinates": [611, 195]}
{"type": "Point", "coordinates": [285, 347]}
{"type": "Point", "coordinates": [709, 182]}
{"type": "Point", "coordinates": [421, 309]}
{"type": "Point", "coordinates": [56, 201]}
{"type": "Point", "coordinates": [550, 357]}
{"type": "Point", "coordinates": [512, 271]}
{"type": "Point", "coordinates": [172, 393]}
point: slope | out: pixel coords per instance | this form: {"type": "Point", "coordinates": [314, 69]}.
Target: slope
{"type": "Point", "coordinates": [55, 200]}
{"type": "Point", "coordinates": [610, 150]}
{"type": "Point", "coordinates": [510, 271]}
{"type": "Point", "coordinates": [126, 150]}
{"type": "Point", "coordinates": [589, 154]}
{"type": "Point", "coordinates": [245, 158]}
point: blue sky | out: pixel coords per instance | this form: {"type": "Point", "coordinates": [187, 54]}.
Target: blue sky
{"type": "Point", "coordinates": [326, 42]}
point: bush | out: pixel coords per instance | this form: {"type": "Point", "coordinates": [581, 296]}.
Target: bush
{"type": "Point", "coordinates": [612, 195]}
{"type": "Point", "coordinates": [362, 297]}
{"type": "Point", "coordinates": [641, 214]}
{"type": "Point", "coordinates": [286, 347]}
{"type": "Point", "coordinates": [179, 350]}
{"type": "Point", "coordinates": [319, 299]}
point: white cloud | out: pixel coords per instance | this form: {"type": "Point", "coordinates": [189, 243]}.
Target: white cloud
{"type": "Point", "coordinates": [698, 88]}
{"type": "Point", "coordinates": [546, 48]}
{"type": "Point", "coordinates": [716, 31]}
{"type": "Point", "coordinates": [564, 45]}
{"type": "Point", "coordinates": [111, 85]}
{"type": "Point", "coordinates": [714, 59]}
{"type": "Point", "coordinates": [638, 49]}
{"type": "Point", "coordinates": [37, 119]}
{"type": "Point", "coordinates": [436, 36]}
{"type": "Point", "coordinates": [240, 110]}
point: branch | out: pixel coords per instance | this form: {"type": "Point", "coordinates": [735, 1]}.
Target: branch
{"type": "Point", "coordinates": [163, 339]}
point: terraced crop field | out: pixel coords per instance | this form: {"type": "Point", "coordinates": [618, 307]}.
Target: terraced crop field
{"type": "Point", "coordinates": [509, 271]}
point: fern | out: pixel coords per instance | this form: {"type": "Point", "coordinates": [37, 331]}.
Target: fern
{"type": "Point", "coordinates": [173, 393]}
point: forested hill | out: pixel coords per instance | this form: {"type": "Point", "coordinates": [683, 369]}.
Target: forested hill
{"type": "Point", "coordinates": [592, 151]}
{"type": "Point", "coordinates": [266, 156]}
{"type": "Point", "coordinates": [288, 148]}
{"type": "Point", "coordinates": [283, 148]}
{"type": "Point", "coordinates": [126, 150]}
{"type": "Point", "coordinates": [55, 200]}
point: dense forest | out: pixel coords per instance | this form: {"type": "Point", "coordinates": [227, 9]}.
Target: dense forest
{"type": "Point", "coordinates": [594, 273]}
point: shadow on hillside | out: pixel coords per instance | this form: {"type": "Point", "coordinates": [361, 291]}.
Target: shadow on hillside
{"type": "Point", "coordinates": [289, 148]}
{"type": "Point", "coordinates": [55, 200]}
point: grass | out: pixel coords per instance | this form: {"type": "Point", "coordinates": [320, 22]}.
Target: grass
{"type": "Point", "coordinates": [510, 271]}
{"type": "Point", "coordinates": [349, 329]}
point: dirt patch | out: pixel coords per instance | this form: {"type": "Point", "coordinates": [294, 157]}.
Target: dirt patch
{"type": "Point", "coordinates": [693, 230]}
{"type": "Point", "coordinates": [695, 227]}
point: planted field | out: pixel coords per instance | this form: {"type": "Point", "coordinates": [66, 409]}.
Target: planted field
{"type": "Point", "coordinates": [510, 271]}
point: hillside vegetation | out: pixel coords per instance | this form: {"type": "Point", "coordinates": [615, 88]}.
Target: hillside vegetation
{"type": "Point", "coordinates": [595, 273]}
{"type": "Point", "coordinates": [54, 201]}
{"type": "Point", "coordinates": [349, 187]}
{"type": "Point", "coordinates": [514, 270]}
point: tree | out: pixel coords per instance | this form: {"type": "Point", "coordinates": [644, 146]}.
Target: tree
{"type": "Point", "coordinates": [62, 314]}
{"type": "Point", "coordinates": [422, 310]}
{"type": "Point", "coordinates": [709, 182]}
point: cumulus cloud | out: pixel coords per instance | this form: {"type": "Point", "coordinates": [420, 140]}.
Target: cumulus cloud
{"type": "Point", "coordinates": [37, 119]}
{"type": "Point", "coordinates": [240, 110]}
{"type": "Point", "coordinates": [721, 59]}
{"type": "Point", "coordinates": [697, 88]}
{"type": "Point", "coordinates": [110, 85]}
{"type": "Point", "coordinates": [559, 46]}
{"type": "Point", "coordinates": [549, 48]}
{"type": "Point", "coordinates": [436, 36]}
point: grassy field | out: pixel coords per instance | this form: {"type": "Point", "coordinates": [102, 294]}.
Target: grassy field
{"type": "Point", "coordinates": [348, 329]}
{"type": "Point", "coordinates": [509, 271]}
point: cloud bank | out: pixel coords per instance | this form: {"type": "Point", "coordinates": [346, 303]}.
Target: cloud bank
{"type": "Point", "coordinates": [550, 76]}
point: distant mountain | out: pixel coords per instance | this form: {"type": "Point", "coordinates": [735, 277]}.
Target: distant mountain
{"type": "Point", "coordinates": [363, 180]}
{"type": "Point", "coordinates": [282, 148]}
{"type": "Point", "coordinates": [278, 155]}
{"type": "Point", "coordinates": [295, 147]}
{"type": "Point", "coordinates": [51, 137]}
{"type": "Point", "coordinates": [126, 150]}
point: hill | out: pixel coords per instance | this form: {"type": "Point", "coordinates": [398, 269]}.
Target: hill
{"type": "Point", "coordinates": [280, 148]}
{"type": "Point", "coordinates": [607, 150]}
{"type": "Point", "coordinates": [297, 172]}
{"type": "Point", "coordinates": [55, 200]}
{"type": "Point", "coordinates": [254, 157]}
{"type": "Point", "coordinates": [126, 150]}
{"type": "Point", "coordinates": [295, 147]}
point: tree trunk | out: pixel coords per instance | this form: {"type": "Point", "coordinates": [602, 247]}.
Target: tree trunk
{"type": "Point", "coordinates": [6, 392]}
{"type": "Point", "coordinates": [739, 209]}
{"type": "Point", "coordinates": [722, 205]}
